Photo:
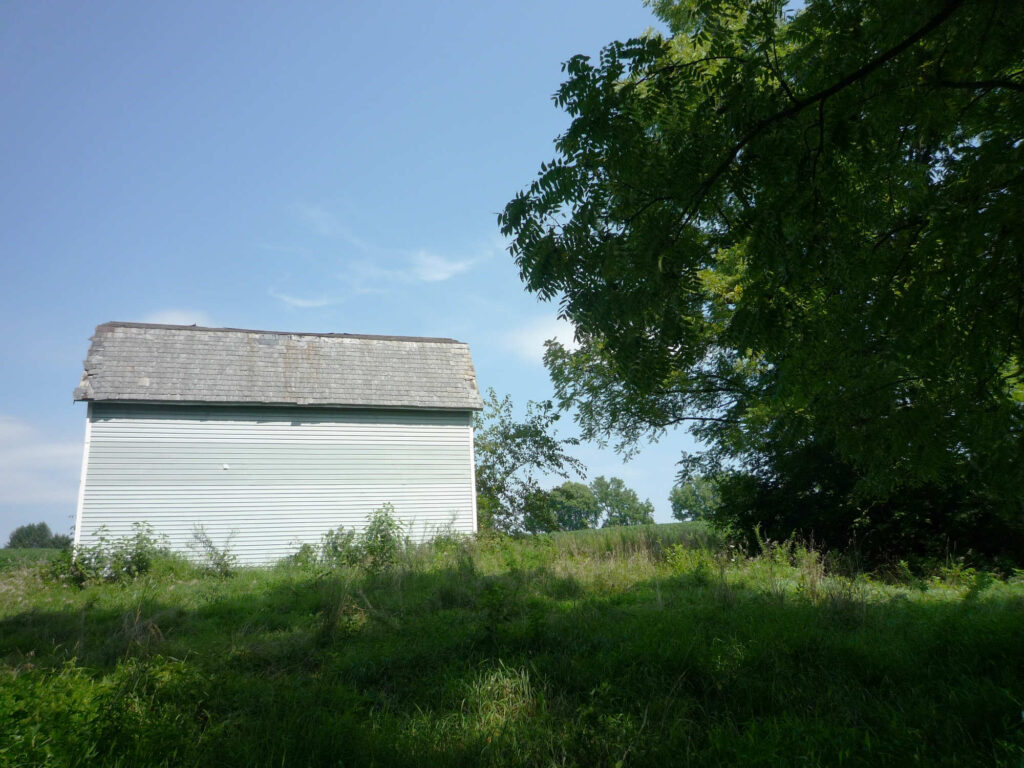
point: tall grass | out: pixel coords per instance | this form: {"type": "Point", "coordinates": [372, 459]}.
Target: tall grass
{"type": "Point", "coordinates": [18, 558]}
{"type": "Point", "coordinates": [649, 646]}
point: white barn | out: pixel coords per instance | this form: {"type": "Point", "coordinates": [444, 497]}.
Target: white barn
{"type": "Point", "coordinates": [269, 439]}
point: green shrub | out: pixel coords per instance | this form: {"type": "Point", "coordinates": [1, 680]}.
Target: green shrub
{"type": "Point", "coordinates": [66, 569]}
{"type": "Point", "coordinates": [376, 549]}
{"type": "Point", "coordinates": [109, 560]}
{"type": "Point", "coordinates": [446, 538]}
{"type": "Point", "coordinates": [383, 540]}
{"type": "Point", "coordinates": [218, 560]}
{"type": "Point", "coordinates": [699, 565]}
{"type": "Point", "coordinates": [306, 556]}
{"type": "Point", "coordinates": [134, 555]}
{"type": "Point", "coordinates": [340, 547]}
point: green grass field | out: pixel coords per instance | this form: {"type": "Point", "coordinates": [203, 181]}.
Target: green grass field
{"type": "Point", "coordinates": [18, 558]}
{"type": "Point", "coordinates": [655, 646]}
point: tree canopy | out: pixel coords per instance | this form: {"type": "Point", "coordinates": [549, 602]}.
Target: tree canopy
{"type": "Point", "coordinates": [575, 506]}
{"type": "Point", "coordinates": [619, 505]}
{"type": "Point", "coordinates": [696, 498]}
{"type": "Point", "coordinates": [800, 234]}
{"type": "Point", "coordinates": [36, 536]}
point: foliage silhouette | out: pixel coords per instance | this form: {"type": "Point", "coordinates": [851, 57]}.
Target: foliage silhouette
{"type": "Point", "coordinates": [799, 233]}
{"type": "Point", "coordinates": [37, 536]}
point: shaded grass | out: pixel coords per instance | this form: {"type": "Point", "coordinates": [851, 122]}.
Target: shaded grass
{"type": "Point", "coordinates": [645, 647]}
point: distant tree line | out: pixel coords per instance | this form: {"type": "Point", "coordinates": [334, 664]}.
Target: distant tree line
{"type": "Point", "coordinates": [575, 506]}
{"type": "Point", "coordinates": [37, 536]}
{"type": "Point", "coordinates": [514, 455]}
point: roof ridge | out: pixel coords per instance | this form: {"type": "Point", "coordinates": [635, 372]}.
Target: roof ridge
{"type": "Point", "coordinates": [375, 337]}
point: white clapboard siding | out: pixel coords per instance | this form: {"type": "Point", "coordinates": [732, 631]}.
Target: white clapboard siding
{"type": "Point", "coordinates": [262, 480]}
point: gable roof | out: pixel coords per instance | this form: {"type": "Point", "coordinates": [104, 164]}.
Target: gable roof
{"type": "Point", "coordinates": [144, 362]}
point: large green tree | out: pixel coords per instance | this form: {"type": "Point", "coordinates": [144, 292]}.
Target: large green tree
{"type": "Point", "coordinates": [619, 504]}
{"type": "Point", "coordinates": [801, 234]}
{"type": "Point", "coordinates": [575, 506]}
{"type": "Point", "coordinates": [695, 498]}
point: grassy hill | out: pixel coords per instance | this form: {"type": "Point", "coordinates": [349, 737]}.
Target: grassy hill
{"type": "Point", "coordinates": [651, 646]}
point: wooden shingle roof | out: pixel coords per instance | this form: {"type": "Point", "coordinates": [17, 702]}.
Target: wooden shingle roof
{"type": "Point", "coordinates": [143, 362]}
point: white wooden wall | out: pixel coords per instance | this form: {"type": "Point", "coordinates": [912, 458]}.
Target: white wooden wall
{"type": "Point", "coordinates": [264, 480]}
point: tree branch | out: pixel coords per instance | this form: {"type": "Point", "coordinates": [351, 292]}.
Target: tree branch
{"type": "Point", "coordinates": [684, 65]}
{"type": "Point", "coordinates": [800, 104]}
{"type": "Point", "coordinates": [680, 419]}
{"type": "Point", "coordinates": [981, 85]}
{"type": "Point", "coordinates": [777, 72]}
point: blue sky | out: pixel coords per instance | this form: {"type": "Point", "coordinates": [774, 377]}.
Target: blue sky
{"type": "Point", "coordinates": [326, 167]}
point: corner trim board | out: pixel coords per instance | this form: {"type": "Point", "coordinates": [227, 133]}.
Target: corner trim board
{"type": "Point", "coordinates": [85, 467]}
{"type": "Point", "coordinates": [472, 476]}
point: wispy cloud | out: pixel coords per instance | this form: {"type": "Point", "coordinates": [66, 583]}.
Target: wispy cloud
{"type": "Point", "coordinates": [35, 469]}
{"type": "Point", "coordinates": [373, 268]}
{"type": "Point", "coordinates": [178, 317]}
{"type": "Point", "coordinates": [301, 303]}
{"type": "Point", "coordinates": [431, 268]}
{"type": "Point", "coordinates": [327, 223]}
{"type": "Point", "coordinates": [527, 341]}
{"type": "Point", "coordinates": [319, 218]}
{"type": "Point", "coordinates": [377, 275]}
